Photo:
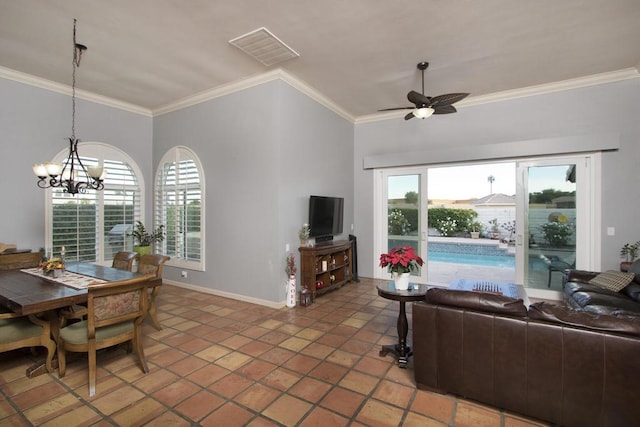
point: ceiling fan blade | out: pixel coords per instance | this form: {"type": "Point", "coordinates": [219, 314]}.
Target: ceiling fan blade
{"type": "Point", "coordinates": [445, 109]}
{"type": "Point", "coordinates": [397, 108]}
{"type": "Point", "coordinates": [447, 99]}
{"type": "Point", "coordinates": [418, 98]}
{"type": "Point", "coordinates": [409, 116]}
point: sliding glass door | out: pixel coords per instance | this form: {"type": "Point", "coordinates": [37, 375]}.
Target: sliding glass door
{"type": "Point", "coordinates": [521, 221]}
{"type": "Point", "coordinates": [401, 214]}
{"type": "Point", "coordinates": [556, 220]}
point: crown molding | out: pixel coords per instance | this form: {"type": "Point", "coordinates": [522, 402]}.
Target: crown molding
{"type": "Point", "coordinates": [303, 87]}
{"type": "Point", "coordinates": [63, 89]}
{"type": "Point", "coordinates": [580, 82]}
{"type": "Point", "coordinates": [276, 74]}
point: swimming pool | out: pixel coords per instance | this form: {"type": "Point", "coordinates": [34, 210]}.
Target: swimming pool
{"type": "Point", "coordinates": [483, 255]}
{"type": "Point", "coordinates": [502, 261]}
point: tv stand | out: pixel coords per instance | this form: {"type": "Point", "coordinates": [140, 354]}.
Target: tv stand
{"type": "Point", "coordinates": [330, 263]}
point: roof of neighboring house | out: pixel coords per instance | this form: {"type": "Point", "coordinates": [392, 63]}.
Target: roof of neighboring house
{"type": "Point", "coordinates": [496, 199]}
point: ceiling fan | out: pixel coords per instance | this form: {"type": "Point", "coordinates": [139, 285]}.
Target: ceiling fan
{"type": "Point", "coordinates": [425, 106]}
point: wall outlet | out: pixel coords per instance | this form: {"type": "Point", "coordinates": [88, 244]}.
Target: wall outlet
{"type": "Point", "coordinates": [286, 248]}
{"type": "Point", "coordinates": [183, 274]}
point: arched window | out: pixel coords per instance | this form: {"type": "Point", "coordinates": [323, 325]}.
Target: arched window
{"type": "Point", "coordinates": [95, 225]}
{"type": "Point", "coordinates": [179, 206]}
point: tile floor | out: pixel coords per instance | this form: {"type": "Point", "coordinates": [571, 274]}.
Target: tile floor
{"type": "Point", "coordinates": [224, 362]}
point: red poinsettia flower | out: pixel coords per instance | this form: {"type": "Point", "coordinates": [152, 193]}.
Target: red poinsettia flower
{"type": "Point", "coordinates": [401, 260]}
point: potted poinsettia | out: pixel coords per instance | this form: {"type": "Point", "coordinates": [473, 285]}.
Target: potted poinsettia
{"type": "Point", "coordinates": [144, 239]}
{"type": "Point", "coordinates": [400, 262]}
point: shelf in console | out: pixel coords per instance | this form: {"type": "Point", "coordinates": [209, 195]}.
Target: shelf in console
{"type": "Point", "coordinates": [338, 258]}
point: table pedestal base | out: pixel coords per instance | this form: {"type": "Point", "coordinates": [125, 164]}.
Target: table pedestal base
{"type": "Point", "coordinates": [402, 354]}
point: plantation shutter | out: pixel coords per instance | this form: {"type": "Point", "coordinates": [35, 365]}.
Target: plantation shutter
{"type": "Point", "coordinates": [83, 223]}
{"type": "Point", "coordinates": [179, 205]}
{"type": "Point", "coordinates": [74, 222]}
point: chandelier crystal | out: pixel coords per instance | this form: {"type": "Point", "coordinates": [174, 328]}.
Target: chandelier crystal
{"type": "Point", "coordinates": [72, 176]}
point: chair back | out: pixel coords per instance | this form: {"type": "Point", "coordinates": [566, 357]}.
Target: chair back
{"type": "Point", "coordinates": [116, 302]}
{"type": "Point", "coordinates": [152, 264]}
{"type": "Point", "coordinates": [124, 260]}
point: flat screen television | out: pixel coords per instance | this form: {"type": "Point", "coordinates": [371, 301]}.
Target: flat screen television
{"type": "Point", "coordinates": [325, 217]}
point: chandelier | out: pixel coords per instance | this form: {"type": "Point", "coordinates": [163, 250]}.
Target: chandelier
{"type": "Point", "coordinates": [72, 176]}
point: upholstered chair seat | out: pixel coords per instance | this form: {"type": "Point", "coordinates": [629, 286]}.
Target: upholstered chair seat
{"type": "Point", "coordinates": [17, 331]}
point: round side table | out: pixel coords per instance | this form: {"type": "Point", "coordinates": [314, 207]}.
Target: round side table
{"type": "Point", "coordinates": [416, 292]}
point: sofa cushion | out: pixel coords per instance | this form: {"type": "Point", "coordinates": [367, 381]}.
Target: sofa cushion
{"type": "Point", "coordinates": [612, 280]}
{"type": "Point", "coordinates": [632, 290]}
{"type": "Point", "coordinates": [571, 288]}
{"type": "Point", "coordinates": [601, 303]}
{"type": "Point", "coordinates": [567, 316]}
{"type": "Point", "coordinates": [480, 301]}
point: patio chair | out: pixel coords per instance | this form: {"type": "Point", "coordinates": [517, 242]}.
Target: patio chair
{"type": "Point", "coordinates": [115, 312]}
{"type": "Point", "coordinates": [554, 263]}
{"type": "Point", "coordinates": [152, 264]}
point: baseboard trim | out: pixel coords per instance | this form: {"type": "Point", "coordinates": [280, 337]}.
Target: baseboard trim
{"type": "Point", "coordinates": [238, 297]}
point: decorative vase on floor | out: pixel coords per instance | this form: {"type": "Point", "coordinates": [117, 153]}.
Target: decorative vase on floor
{"type": "Point", "coordinates": [291, 291]}
{"type": "Point", "coordinates": [401, 281]}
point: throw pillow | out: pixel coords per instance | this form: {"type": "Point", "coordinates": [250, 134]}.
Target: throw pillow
{"type": "Point", "coordinates": [612, 280]}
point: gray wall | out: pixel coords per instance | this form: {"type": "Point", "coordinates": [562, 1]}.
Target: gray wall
{"type": "Point", "coordinates": [34, 125]}
{"type": "Point", "coordinates": [613, 107]}
{"type": "Point", "coordinates": [264, 151]}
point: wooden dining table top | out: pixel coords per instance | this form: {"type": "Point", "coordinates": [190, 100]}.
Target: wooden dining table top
{"type": "Point", "coordinates": [25, 293]}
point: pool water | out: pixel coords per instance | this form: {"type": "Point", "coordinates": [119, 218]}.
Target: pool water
{"type": "Point", "coordinates": [503, 261]}
{"type": "Point", "coordinates": [483, 255]}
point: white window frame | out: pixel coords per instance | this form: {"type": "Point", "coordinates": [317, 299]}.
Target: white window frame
{"type": "Point", "coordinates": [101, 151]}
{"type": "Point", "coordinates": [174, 155]}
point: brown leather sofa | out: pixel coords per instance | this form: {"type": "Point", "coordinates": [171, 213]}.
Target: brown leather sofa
{"type": "Point", "coordinates": [581, 295]}
{"type": "Point", "coordinates": [567, 367]}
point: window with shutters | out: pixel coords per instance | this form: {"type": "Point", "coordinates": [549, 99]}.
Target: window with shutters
{"type": "Point", "coordinates": [179, 206]}
{"type": "Point", "coordinates": [95, 225]}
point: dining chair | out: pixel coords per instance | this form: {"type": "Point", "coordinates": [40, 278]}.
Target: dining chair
{"type": "Point", "coordinates": [18, 331]}
{"type": "Point", "coordinates": [115, 312]}
{"type": "Point", "coordinates": [124, 260]}
{"type": "Point", "coordinates": [152, 264]}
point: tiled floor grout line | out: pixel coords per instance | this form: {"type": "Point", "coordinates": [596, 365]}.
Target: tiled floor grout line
{"type": "Point", "coordinates": [316, 404]}
{"type": "Point", "coordinates": [325, 348]}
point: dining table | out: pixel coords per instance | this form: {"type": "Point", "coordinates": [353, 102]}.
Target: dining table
{"type": "Point", "coordinates": [30, 291]}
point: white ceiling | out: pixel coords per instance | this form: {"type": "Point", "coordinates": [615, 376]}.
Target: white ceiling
{"type": "Point", "coordinates": [360, 55]}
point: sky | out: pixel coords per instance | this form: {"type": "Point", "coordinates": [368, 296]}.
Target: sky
{"type": "Point", "coordinates": [471, 182]}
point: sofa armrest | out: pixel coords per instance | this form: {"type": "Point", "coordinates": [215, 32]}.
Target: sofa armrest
{"type": "Point", "coordinates": [481, 301]}
{"type": "Point", "coordinates": [620, 323]}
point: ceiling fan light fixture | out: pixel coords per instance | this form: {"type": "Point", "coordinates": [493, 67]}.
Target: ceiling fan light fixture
{"type": "Point", "coordinates": [423, 113]}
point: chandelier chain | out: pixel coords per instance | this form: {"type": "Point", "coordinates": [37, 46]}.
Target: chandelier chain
{"type": "Point", "coordinates": [76, 62]}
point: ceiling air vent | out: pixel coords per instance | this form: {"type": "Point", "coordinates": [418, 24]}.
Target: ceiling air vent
{"type": "Point", "coordinates": [262, 45]}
